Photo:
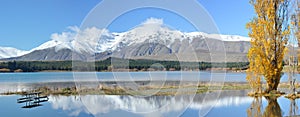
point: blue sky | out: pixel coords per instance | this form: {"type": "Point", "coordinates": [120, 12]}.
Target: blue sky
{"type": "Point", "coordinates": [25, 24]}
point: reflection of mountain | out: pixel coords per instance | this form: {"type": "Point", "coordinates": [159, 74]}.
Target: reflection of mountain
{"type": "Point", "coordinates": [158, 105]}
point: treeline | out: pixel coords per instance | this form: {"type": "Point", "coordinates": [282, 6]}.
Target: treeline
{"type": "Point", "coordinates": [116, 64]}
{"type": "Point", "coordinates": [35, 66]}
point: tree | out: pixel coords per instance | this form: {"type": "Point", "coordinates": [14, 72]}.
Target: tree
{"type": "Point", "coordinates": [294, 53]}
{"type": "Point", "coordinates": [269, 31]}
{"type": "Point", "coordinates": [295, 24]}
{"type": "Point", "coordinates": [12, 65]}
{"type": "Point", "coordinates": [296, 20]}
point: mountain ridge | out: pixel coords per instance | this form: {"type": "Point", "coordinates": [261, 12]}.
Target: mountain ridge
{"type": "Point", "coordinates": [150, 39]}
{"type": "Point", "coordinates": [7, 52]}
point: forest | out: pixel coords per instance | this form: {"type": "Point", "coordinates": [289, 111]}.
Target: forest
{"type": "Point", "coordinates": [111, 64]}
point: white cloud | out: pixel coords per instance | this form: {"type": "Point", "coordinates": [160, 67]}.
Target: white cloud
{"type": "Point", "coordinates": [74, 28]}
{"type": "Point", "coordinates": [63, 37]}
{"type": "Point", "coordinates": [76, 38]}
{"type": "Point", "coordinates": [152, 20]}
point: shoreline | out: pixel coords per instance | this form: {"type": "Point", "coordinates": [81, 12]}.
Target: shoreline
{"type": "Point", "coordinates": [53, 71]}
{"type": "Point", "coordinates": [140, 87]}
{"type": "Point", "coordinates": [127, 88]}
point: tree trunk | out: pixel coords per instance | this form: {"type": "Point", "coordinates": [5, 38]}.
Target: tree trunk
{"type": "Point", "coordinates": [272, 85]}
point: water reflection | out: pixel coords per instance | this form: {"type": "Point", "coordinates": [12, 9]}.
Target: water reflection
{"type": "Point", "coordinates": [272, 109]}
{"type": "Point", "coordinates": [229, 104]}
{"type": "Point", "coordinates": [185, 106]}
{"type": "Point", "coordinates": [293, 108]}
{"type": "Point", "coordinates": [255, 109]}
{"type": "Point", "coordinates": [32, 100]}
{"type": "Point", "coordinates": [108, 105]}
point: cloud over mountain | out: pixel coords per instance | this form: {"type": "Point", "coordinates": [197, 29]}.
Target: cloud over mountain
{"type": "Point", "coordinates": [149, 40]}
{"type": "Point", "coordinates": [151, 21]}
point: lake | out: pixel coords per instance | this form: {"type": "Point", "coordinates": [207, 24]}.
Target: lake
{"type": "Point", "coordinates": [103, 76]}
{"type": "Point", "coordinates": [233, 103]}
{"type": "Point", "coordinates": [212, 104]}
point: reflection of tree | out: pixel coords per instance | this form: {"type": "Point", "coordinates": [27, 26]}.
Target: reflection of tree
{"type": "Point", "coordinates": [293, 108]}
{"type": "Point", "coordinates": [273, 109]}
{"type": "Point", "coordinates": [256, 107]}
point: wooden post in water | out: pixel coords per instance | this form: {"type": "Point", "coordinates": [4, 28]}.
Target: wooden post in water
{"type": "Point", "coordinates": [32, 99]}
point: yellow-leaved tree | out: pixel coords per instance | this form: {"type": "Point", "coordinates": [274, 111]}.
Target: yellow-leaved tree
{"type": "Point", "coordinates": [295, 23]}
{"type": "Point", "coordinates": [269, 32]}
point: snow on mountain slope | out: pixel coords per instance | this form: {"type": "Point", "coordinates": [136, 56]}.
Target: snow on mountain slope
{"type": "Point", "coordinates": [49, 44]}
{"type": "Point", "coordinates": [217, 36]}
{"type": "Point", "coordinates": [75, 39]}
{"type": "Point", "coordinates": [94, 40]}
{"type": "Point", "coordinates": [152, 30]}
{"type": "Point", "coordinates": [8, 52]}
{"type": "Point", "coordinates": [59, 41]}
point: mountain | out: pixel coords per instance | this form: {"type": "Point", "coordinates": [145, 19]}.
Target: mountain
{"type": "Point", "coordinates": [151, 40]}
{"type": "Point", "coordinates": [8, 52]}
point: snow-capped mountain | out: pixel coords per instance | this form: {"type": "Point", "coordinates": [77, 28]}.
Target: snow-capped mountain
{"type": "Point", "coordinates": [150, 38]}
{"type": "Point", "coordinates": [7, 52]}
{"type": "Point", "coordinates": [93, 40]}
{"type": "Point", "coordinates": [78, 40]}
{"type": "Point", "coordinates": [218, 36]}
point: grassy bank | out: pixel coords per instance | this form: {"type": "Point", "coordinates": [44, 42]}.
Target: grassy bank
{"type": "Point", "coordinates": [110, 88]}
{"type": "Point", "coordinates": [142, 88]}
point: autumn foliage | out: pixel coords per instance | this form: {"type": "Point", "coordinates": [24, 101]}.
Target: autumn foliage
{"type": "Point", "coordinates": [296, 21]}
{"type": "Point", "coordinates": [269, 32]}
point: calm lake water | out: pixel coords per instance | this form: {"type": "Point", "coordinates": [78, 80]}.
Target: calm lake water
{"type": "Point", "coordinates": [226, 103]}
{"type": "Point", "coordinates": [229, 104]}
{"type": "Point", "coordinates": [104, 76]}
